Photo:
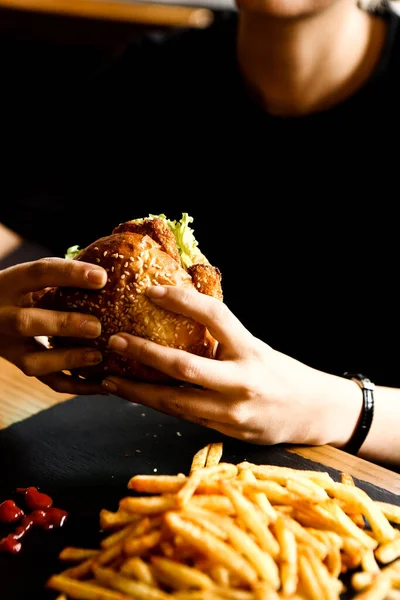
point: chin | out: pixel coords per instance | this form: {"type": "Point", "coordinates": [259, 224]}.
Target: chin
{"type": "Point", "coordinates": [284, 9]}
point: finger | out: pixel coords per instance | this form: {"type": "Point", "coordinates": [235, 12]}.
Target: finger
{"type": "Point", "coordinates": [178, 401]}
{"type": "Point", "coordinates": [67, 384]}
{"type": "Point", "coordinates": [52, 272]}
{"type": "Point", "coordinates": [43, 362]}
{"type": "Point", "coordinates": [214, 314]}
{"type": "Point", "coordinates": [179, 364]}
{"type": "Point", "coordinates": [36, 321]}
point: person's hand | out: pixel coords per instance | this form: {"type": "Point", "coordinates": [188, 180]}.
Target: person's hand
{"type": "Point", "coordinates": [250, 392]}
{"type": "Point", "coordinates": [21, 322]}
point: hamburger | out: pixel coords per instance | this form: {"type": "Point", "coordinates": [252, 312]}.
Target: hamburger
{"type": "Point", "coordinates": [143, 252]}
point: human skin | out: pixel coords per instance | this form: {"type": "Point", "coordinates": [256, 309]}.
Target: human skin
{"type": "Point", "coordinates": [304, 56]}
{"type": "Point", "coordinates": [21, 323]}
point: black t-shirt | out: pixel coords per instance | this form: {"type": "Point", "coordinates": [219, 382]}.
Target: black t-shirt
{"type": "Point", "coordinates": [300, 214]}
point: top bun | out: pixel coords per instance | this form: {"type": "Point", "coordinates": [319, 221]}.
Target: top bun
{"type": "Point", "coordinates": [138, 254]}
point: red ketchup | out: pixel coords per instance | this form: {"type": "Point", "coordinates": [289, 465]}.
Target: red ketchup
{"type": "Point", "coordinates": [10, 512]}
{"type": "Point", "coordinates": [34, 499]}
{"type": "Point", "coordinates": [42, 515]}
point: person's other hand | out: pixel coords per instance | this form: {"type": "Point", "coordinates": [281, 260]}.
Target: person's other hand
{"type": "Point", "coordinates": [250, 392]}
{"type": "Point", "coordinates": [21, 323]}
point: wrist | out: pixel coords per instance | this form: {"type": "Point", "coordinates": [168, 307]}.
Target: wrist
{"type": "Point", "coordinates": [346, 405]}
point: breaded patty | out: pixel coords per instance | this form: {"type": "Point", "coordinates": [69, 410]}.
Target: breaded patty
{"type": "Point", "coordinates": [207, 279]}
{"type": "Point", "coordinates": [158, 230]}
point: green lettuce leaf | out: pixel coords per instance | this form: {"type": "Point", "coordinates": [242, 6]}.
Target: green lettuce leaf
{"type": "Point", "coordinates": [72, 252]}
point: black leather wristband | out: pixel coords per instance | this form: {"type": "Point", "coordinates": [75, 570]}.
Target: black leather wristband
{"type": "Point", "coordinates": [367, 412]}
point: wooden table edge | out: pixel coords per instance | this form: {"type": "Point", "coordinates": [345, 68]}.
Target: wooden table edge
{"type": "Point", "coordinates": [357, 467]}
{"type": "Point", "coordinates": [122, 11]}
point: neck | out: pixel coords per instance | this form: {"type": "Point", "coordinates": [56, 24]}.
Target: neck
{"type": "Point", "coordinates": [301, 65]}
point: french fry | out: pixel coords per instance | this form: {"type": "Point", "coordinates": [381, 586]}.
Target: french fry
{"type": "Point", "coordinates": [225, 470]}
{"type": "Point", "coordinates": [148, 505]}
{"type": "Point", "coordinates": [212, 547]}
{"type": "Point", "coordinates": [306, 489]}
{"type": "Point", "coordinates": [199, 459]}
{"type": "Point", "coordinates": [117, 536]}
{"type": "Point", "coordinates": [181, 576]}
{"type": "Point", "coordinates": [391, 511]}
{"type": "Point", "coordinates": [259, 498]}
{"type": "Point", "coordinates": [72, 554]}
{"type": "Point", "coordinates": [132, 589]}
{"type": "Point", "coordinates": [214, 454]}
{"type": "Point", "coordinates": [79, 571]}
{"type": "Point", "coordinates": [282, 474]}
{"type": "Point", "coordinates": [156, 484]}
{"type": "Point", "coordinates": [384, 531]}
{"type": "Point", "coordinates": [377, 591]}
{"type": "Point", "coordinates": [238, 532]}
{"type": "Point", "coordinates": [81, 590]}
{"type": "Point", "coordinates": [346, 479]}
{"type": "Point", "coordinates": [246, 510]}
{"type": "Point", "coordinates": [287, 556]}
{"type": "Point", "coordinates": [139, 569]}
{"type": "Point", "coordinates": [389, 551]}
{"type": "Point", "coordinates": [308, 579]}
{"type": "Point", "coordinates": [113, 520]}
{"type": "Point", "coordinates": [326, 583]}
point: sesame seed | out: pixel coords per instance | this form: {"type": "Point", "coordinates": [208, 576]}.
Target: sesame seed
{"type": "Point", "coordinates": [120, 256]}
{"type": "Point", "coordinates": [105, 252]}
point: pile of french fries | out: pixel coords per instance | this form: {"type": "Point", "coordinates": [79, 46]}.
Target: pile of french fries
{"type": "Point", "coordinates": [239, 532]}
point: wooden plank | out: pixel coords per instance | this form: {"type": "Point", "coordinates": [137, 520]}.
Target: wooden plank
{"type": "Point", "coordinates": [145, 13]}
{"type": "Point", "coordinates": [22, 396]}
{"type": "Point", "coordinates": [356, 466]}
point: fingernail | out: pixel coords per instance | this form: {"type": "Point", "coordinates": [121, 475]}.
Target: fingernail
{"type": "Point", "coordinates": [109, 386]}
{"type": "Point", "coordinates": [91, 328]}
{"type": "Point", "coordinates": [97, 276]}
{"type": "Point", "coordinates": [156, 291]}
{"type": "Point", "coordinates": [117, 342]}
{"type": "Point", "coordinates": [93, 358]}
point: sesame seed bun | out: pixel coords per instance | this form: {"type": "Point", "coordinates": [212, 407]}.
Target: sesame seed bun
{"type": "Point", "coordinates": [134, 261]}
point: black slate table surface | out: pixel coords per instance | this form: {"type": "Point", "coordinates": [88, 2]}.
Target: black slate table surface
{"type": "Point", "coordinates": [83, 452]}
